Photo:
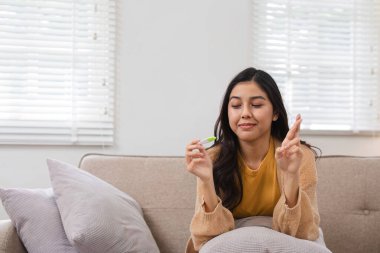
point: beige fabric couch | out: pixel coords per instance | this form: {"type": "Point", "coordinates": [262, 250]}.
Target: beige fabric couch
{"type": "Point", "coordinates": [348, 197]}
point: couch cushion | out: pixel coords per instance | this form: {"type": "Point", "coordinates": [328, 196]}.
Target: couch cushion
{"type": "Point", "coordinates": [349, 203]}
{"type": "Point", "coordinates": [168, 194]}
{"type": "Point", "coordinates": [97, 217]}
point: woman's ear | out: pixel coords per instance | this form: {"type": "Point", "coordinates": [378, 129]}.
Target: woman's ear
{"type": "Point", "coordinates": [275, 117]}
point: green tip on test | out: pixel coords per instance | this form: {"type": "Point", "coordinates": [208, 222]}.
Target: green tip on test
{"type": "Point", "coordinates": [208, 140]}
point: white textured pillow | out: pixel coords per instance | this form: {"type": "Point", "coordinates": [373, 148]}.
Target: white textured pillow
{"type": "Point", "coordinates": [35, 215]}
{"type": "Point", "coordinates": [261, 240]}
{"type": "Point", "coordinates": [96, 216]}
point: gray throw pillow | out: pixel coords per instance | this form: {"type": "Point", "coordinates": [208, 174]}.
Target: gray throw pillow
{"type": "Point", "coordinates": [35, 216]}
{"type": "Point", "coordinates": [96, 216]}
{"type": "Point", "coordinates": [260, 239]}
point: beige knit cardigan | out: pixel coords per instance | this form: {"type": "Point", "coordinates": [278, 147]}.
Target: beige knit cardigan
{"type": "Point", "coordinates": [301, 221]}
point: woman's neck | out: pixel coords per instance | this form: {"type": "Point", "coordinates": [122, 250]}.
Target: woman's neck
{"type": "Point", "coordinates": [254, 152]}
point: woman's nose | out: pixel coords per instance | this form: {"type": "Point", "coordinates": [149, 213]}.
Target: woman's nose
{"type": "Point", "coordinates": [246, 113]}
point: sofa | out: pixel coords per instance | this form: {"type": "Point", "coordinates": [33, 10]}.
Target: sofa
{"type": "Point", "coordinates": [348, 198]}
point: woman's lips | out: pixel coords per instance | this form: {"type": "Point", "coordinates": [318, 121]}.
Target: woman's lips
{"type": "Point", "coordinates": [246, 125]}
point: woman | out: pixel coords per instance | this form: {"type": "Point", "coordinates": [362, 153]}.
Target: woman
{"type": "Point", "coordinates": [257, 166]}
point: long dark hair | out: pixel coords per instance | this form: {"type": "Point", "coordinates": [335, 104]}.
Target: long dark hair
{"type": "Point", "coordinates": [227, 177]}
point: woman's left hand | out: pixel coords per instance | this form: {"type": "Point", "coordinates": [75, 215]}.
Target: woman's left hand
{"type": "Point", "coordinates": [289, 155]}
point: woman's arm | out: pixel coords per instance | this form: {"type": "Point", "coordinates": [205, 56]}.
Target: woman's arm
{"type": "Point", "coordinates": [296, 212]}
{"type": "Point", "coordinates": [200, 164]}
{"type": "Point", "coordinates": [302, 219]}
{"type": "Point", "coordinates": [210, 218]}
{"type": "Point", "coordinates": [205, 225]}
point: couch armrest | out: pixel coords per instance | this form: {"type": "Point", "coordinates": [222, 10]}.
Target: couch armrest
{"type": "Point", "coordinates": [9, 240]}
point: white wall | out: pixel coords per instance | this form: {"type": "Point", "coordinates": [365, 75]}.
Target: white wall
{"type": "Point", "coordinates": [175, 59]}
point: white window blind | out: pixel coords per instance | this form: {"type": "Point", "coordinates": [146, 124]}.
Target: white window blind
{"type": "Point", "coordinates": [57, 71]}
{"type": "Point", "coordinates": [324, 55]}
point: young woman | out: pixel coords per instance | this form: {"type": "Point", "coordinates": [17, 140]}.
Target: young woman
{"type": "Point", "coordinates": [257, 166]}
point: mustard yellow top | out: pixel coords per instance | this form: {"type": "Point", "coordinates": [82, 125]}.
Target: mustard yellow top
{"type": "Point", "coordinates": [261, 190]}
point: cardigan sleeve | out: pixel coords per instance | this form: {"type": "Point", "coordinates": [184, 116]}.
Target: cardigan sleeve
{"type": "Point", "coordinates": [207, 225]}
{"type": "Point", "coordinates": [302, 220]}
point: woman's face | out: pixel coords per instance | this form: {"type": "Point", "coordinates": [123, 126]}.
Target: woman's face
{"type": "Point", "coordinates": [250, 112]}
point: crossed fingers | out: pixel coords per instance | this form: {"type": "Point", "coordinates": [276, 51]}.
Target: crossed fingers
{"type": "Point", "coordinates": [291, 143]}
{"type": "Point", "coordinates": [295, 130]}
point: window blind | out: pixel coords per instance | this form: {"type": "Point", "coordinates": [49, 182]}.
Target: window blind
{"type": "Point", "coordinates": [324, 55]}
{"type": "Point", "coordinates": [57, 76]}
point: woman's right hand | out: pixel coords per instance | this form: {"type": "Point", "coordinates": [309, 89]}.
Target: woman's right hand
{"type": "Point", "coordinates": [198, 161]}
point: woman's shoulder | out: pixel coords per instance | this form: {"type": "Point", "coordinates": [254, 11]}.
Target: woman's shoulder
{"type": "Point", "coordinates": [308, 153]}
{"type": "Point", "coordinates": [308, 169]}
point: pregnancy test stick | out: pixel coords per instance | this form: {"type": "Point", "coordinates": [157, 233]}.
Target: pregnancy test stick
{"type": "Point", "coordinates": [207, 140]}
